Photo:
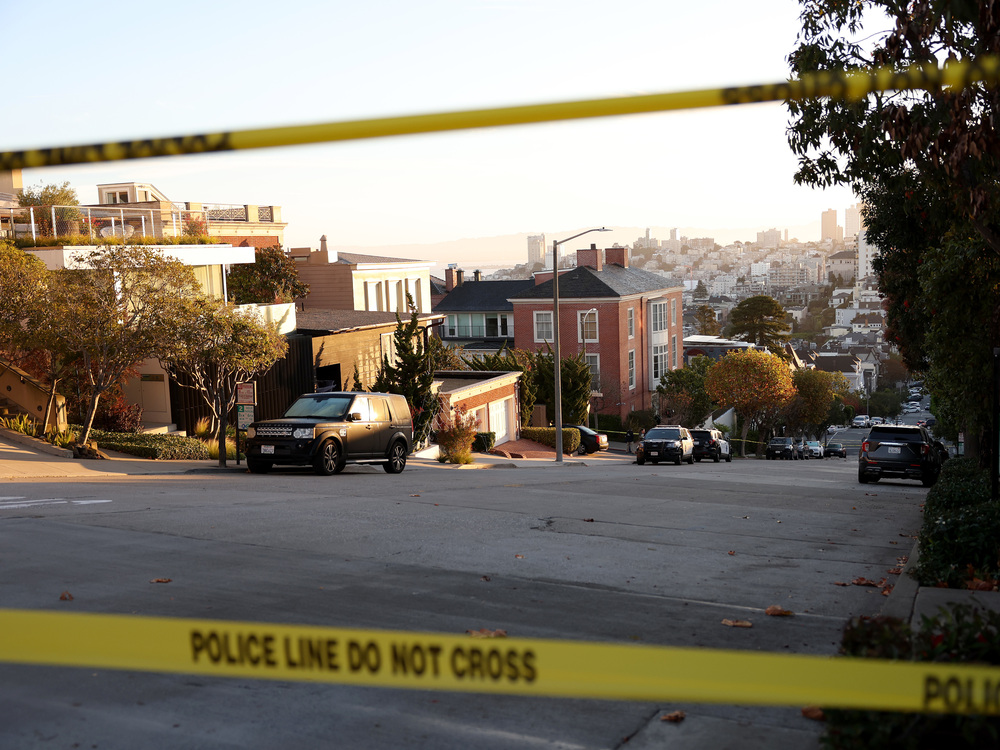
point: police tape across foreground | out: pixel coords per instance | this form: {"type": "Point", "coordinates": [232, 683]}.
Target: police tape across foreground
{"type": "Point", "coordinates": [436, 661]}
{"type": "Point", "coordinates": [849, 84]}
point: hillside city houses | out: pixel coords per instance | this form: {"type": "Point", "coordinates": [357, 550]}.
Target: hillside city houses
{"type": "Point", "coordinates": [629, 311]}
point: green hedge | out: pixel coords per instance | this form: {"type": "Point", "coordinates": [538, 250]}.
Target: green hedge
{"type": "Point", "coordinates": [547, 436]}
{"type": "Point", "coordinates": [957, 635]}
{"type": "Point", "coordinates": [484, 442]}
{"type": "Point", "coordinates": [162, 447]}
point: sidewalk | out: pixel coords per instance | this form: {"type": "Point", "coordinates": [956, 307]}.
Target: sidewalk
{"type": "Point", "coordinates": [23, 458]}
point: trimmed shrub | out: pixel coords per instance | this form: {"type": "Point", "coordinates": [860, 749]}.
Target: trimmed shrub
{"type": "Point", "coordinates": [484, 442]}
{"type": "Point", "coordinates": [960, 634]}
{"type": "Point", "coordinates": [161, 447]}
{"type": "Point", "coordinates": [547, 436]}
{"type": "Point", "coordinates": [959, 543]}
{"type": "Point", "coordinates": [961, 483]}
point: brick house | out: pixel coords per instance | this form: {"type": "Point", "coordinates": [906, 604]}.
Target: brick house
{"type": "Point", "coordinates": [627, 322]}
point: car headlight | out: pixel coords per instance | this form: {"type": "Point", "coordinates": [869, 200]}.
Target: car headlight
{"type": "Point", "coordinates": [251, 432]}
{"type": "Point", "coordinates": [302, 432]}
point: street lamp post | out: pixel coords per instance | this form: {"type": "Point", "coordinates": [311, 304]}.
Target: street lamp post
{"type": "Point", "coordinates": [555, 337]}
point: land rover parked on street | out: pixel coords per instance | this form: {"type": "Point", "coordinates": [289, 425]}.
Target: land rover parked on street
{"type": "Point", "coordinates": [330, 430]}
{"type": "Point", "coordinates": [781, 447]}
{"type": "Point", "coordinates": [710, 444]}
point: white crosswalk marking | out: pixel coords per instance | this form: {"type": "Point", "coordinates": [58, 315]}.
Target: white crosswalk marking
{"type": "Point", "coordinates": [13, 503]}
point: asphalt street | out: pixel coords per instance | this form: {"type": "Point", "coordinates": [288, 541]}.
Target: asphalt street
{"type": "Point", "coordinates": [597, 550]}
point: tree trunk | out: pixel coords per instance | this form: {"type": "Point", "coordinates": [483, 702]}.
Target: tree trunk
{"type": "Point", "coordinates": [743, 438]}
{"type": "Point", "coordinates": [48, 406]}
{"type": "Point", "coordinates": [220, 408]}
{"type": "Point", "coordinates": [89, 421]}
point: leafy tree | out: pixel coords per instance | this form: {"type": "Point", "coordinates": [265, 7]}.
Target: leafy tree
{"type": "Point", "coordinates": [413, 374]}
{"type": "Point", "coordinates": [118, 309]}
{"type": "Point", "coordinates": [214, 347]}
{"type": "Point", "coordinates": [22, 285]}
{"type": "Point", "coordinates": [50, 195]}
{"type": "Point", "coordinates": [756, 383]}
{"type": "Point", "coordinates": [682, 393]}
{"type": "Point", "coordinates": [925, 165]}
{"type": "Point", "coordinates": [885, 403]}
{"type": "Point", "coordinates": [701, 291]}
{"type": "Point", "coordinates": [761, 321]}
{"type": "Point", "coordinates": [272, 277]}
{"type": "Point", "coordinates": [576, 381]}
{"type": "Point", "coordinates": [706, 322]}
{"type": "Point", "coordinates": [809, 408]}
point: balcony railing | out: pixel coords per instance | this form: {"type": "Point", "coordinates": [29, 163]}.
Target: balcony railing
{"type": "Point", "coordinates": [125, 223]}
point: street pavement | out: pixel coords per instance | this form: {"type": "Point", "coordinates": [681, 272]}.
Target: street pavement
{"type": "Point", "coordinates": [605, 551]}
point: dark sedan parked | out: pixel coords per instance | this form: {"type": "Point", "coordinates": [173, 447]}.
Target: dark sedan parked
{"type": "Point", "coordinates": [590, 441]}
{"type": "Point", "coordinates": [835, 449]}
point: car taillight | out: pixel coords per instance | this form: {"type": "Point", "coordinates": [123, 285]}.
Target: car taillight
{"type": "Point", "coordinates": [925, 449]}
{"type": "Point", "coordinates": [864, 447]}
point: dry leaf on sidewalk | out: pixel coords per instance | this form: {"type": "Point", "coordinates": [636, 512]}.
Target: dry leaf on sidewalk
{"type": "Point", "coordinates": [813, 712]}
{"type": "Point", "coordinates": [485, 633]}
{"type": "Point", "coordinates": [65, 596]}
{"type": "Point", "coordinates": [674, 716]}
{"type": "Point", "coordinates": [161, 580]}
{"type": "Point", "coordinates": [737, 623]}
{"type": "Point", "coordinates": [775, 611]}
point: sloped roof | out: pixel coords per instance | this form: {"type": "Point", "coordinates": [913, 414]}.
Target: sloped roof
{"type": "Point", "coordinates": [836, 363]}
{"type": "Point", "coordinates": [353, 258]}
{"type": "Point", "coordinates": [483, 296]}
{"type": "Point", "coordinates": [612, 281]}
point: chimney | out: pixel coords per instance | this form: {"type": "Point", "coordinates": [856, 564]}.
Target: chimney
{"type": "Point", "coordinates": [592, 258]}
{"type": "Point", "coordinates": [477, 275]}
{"type": "Point", "coordinates": [459, 277]}
{"type": "Point", "coordinates": [449, 279]}
{"type": "Point", "coordinates": [322, 248]}
{"type": "Point", "coordinates": [617, 256]}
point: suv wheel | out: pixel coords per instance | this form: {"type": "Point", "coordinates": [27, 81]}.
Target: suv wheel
{"type": "Point", "coordinates": [397, 459]}
{"type": "Point", "coordinates": [258, 467]}
{"type": "Point", "coordinates": [690, 460]}
{"type": "Point", "coordinates": [718, 456]}
{"type": "Point", "coordinates": [328, 460]}
{"type": "Point", "coordinates": [640, 459]}
{"type": "Point", "coordinates": [928, 480]}
{"type": "Point", "coordinates": [729, 457]}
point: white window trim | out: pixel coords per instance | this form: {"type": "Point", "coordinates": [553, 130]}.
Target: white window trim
{"type": "Point", "coordinates": [582, 317]}
{"type": "Point", "coordinates": [535, 314]}
{"type": "Point", "coordinates": [630, 363]}
{"type": "Point", "coordinates": [594, 376]}
{"type": "Point", "coordinates": [630, 322]}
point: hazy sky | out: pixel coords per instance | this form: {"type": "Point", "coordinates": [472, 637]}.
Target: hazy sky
{"type": "Point", "coordinates": [125, 70]}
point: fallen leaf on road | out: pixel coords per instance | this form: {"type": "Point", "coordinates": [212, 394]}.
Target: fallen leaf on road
{"type": "Point", "coordinates": [519, 557]}
{"type": "Point", "coordinates": [813, 712]}
{"type": "Point", "coordinates": [65, 596]}
{"type": "Point", "coordinates": [485, 633]}
{"type": "Point", "coordinates": [737, 623]}
{"type": "Point", "coordinates": [485, 578]}
{"type": "Point", "coordinates": [588, 520]}
{"type": "Point", "coordinates": [861, 581]}
{"type": "Point", "coordinates": [414, 495]}
{"type": "Point", "coordinates": [886, 590]}
{"type": "Point", "coordinates": [161, 580]}
{"type": "Point", "coordinates": [840, 583]}
{"type": "Point", "coordinates": [674, 716]}
{"type": "Point", "coordinates": [732, 552]}
{"type": "Point", "coordinates": [775, 611]}
{"type": "Point", "coordinates": [894, 571]}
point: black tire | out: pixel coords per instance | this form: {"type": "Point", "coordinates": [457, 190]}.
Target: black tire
{"type": "Point", "coordinates": [640, 460]}
{"type": "Point", "coordinates": [862, 478]}
{"type": "Point", "coordinates": [729, 458]}
{"type": "Point", "coordinates": [677, 461]}
{"type": "Point", "coordinates": [928, 481]}
{"type": "Point", "coordinates": [328, 459]}
{"type": "Point", "coordinates": [691, 460]}
{"type": "Point", "coordinates": [718, 456]}
{"type": "Point", "coordinates": [698, 459]}
{"type": "Point", "coordinates": [397, 459]}
{"type": "Point", "coordinates": [258, 467]}
{"type": "Point", "coordinates": [582, 450]}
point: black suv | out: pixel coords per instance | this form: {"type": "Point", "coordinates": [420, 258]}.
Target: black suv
{"type": "Point", "coordinates": [665, 442]}
{"type": "Point", "coordinates": [327, 430]}
{"type": "Point", "coordinates": [710, 444]}
{"type": "Point", "coordinates": [901, 451]}
{"type": "Point", "coordinates": [781, 447]}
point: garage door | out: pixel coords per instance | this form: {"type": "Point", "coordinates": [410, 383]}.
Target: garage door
{"type": "Point", "coordinates": [500, 419]}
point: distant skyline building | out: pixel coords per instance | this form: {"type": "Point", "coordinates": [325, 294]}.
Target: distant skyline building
{"type": "Point", "coordinates": [866, 253]}
{"type": "Point", "coordinates": [769, 239]}
{"type": "Point", "coordinates": [829, 227]}
{"type": "Point", "coordinates": [536, 248]}
{"type": "Point", "coordinates": [852, 220]}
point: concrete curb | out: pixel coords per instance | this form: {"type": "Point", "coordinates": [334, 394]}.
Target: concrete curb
{"type": "Point", "coordinates": [34, 443]}
{"type": "Point", "coordinates": [903, 596]}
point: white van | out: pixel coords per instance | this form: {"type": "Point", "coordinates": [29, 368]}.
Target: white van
{"type": "Point", "coordinates": [861, 421]}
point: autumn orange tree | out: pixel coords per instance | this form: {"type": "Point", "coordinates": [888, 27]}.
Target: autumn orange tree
{"type": "Point", "coordinates": [756, 383]}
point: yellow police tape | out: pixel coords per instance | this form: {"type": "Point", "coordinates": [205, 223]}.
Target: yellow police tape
{"type": "Point", "coordinates": [852, 84]}
{"type": "Point", "coordinates": [434, 661]}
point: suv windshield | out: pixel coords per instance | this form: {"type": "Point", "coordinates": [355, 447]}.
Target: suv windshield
{"type": "Point", "coordinates": [320, 407]}
{"type": "Point", "coordinates": [663, 433]}
{"type": "Point", "coordinates": [780, 441]}
{"type": "Point", "coordinates": [882, 433]}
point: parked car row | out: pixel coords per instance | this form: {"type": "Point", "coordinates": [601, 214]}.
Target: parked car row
{"type": "Point", "coordinates": [671, 442]}
{"type": "Point", "coordinates": [790, 448]}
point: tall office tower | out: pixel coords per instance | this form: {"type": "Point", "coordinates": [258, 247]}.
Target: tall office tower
{"type": "Point", "coordinates": [536, 248]}
{"type": "Point", "coordinates": [673, 234]}
{"type": "Point", "coordinates": [852, 220]}
{"type": "Point", "coordinates": [769, 239]}
{"type": "Point", "coordinates": [829, 225]}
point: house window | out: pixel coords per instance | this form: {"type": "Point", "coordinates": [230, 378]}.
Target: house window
{"type": "Point", "coordinates": [451, 326]}
{"type": "Point", "coordinates": [373, 296]}
{"type": "Point", "coordinates": [543, 325]}
{"type": "Point", "coordinates": [388, 346]}
{"type": "Point", "coordinates": [631, 368]}
{"type": "Point", "coordinates": [673, 352]}
{"type": "Point", "coordinates": [661, 353]}
{"type": "Point", "coordinates": [498, 324]}
{"type": "Point", "coordinates": [594, 363]}
{"type": "Point", "coordinates": [116, 196]}
{"type": "Point", "coordinates": [630, 318]}
{"type": "Point", "coordinates": [586, 325]}
{"type": "Point", "coordinates": [673, 312]}
{"type": "Point", "coordinates": [658, 316]}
